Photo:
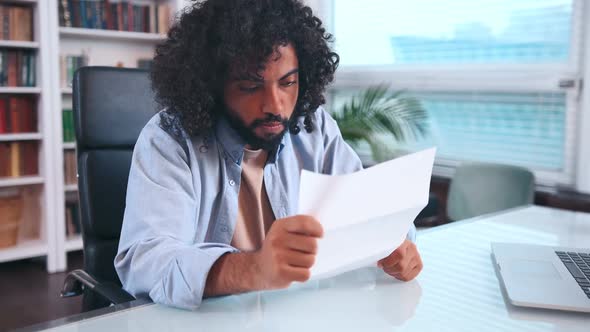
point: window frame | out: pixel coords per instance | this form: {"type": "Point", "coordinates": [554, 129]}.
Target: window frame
{"type": "Point", "coordinates": [497, 78]}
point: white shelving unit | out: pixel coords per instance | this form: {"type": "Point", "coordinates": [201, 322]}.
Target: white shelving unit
{"type": "Point", "coordinates": [21, 90]}
{"type": "Point", "coordinates": [41, 185]}
{"type": "Point", "coordinates": [20, 181]}
{"type": "Point", "coordinates": [73, 243]}
{"type": "Point", "coordinates": [20, 137]}
{"type": "Point", "coordinates": [110, 35]}
{"type": "Point", "coordinates": [70, 187]}
{"type": "Point", "coordinates": [103, 48]}
{"type": "Point", "coordinates": [69, 145]}
{"type": "Point", "coordinates": [19, 44]}
{"type": "Point", "coordinates": [107, 48]}
{"type": "Point", "coordinates": [25, 249]}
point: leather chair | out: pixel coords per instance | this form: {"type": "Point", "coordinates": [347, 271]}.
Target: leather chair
{"type": "Point", "coordinates": [111, 106]}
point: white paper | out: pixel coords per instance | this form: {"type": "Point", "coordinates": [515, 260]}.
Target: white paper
{"type": "Point", "coordinates": [365, 215]}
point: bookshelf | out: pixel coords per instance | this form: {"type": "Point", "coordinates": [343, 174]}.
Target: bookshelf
{"type": "Point", "coordinates": [110, 35]}
{"type": "Point", "coordinates": [20, 137]}
{"type": "Point", "coordinates": [96, 47]}
{"type": "Point", "coordinates": [20, 181]}
{"type": "Point", "coordinates": [36, 223]}
{"type": "Point", "coordinates": [46, 193]}
{"type": "Point", "coordinates": [19, 44]}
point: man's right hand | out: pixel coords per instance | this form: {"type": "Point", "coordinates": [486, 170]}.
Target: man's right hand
{"type": "Point", "coordinates": [288, 251]}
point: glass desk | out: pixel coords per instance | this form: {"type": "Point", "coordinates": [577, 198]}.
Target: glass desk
{"type": "Point", "coordinates": [457, 291]}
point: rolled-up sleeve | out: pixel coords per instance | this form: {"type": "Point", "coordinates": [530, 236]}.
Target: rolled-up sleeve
{"type": "Point", "coordinates": [158, 256]}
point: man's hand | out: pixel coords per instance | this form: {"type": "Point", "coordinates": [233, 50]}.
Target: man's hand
{"type": "Point", "coordinates": [404, 263]}
{"type": "Point", "coordinates": [287, 254]}
{"type": "Point", "coordinates": [288, 251]}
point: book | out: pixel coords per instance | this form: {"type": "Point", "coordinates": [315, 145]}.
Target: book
{"type": "Point", "coordinates": [17, 67]}
{"type": "Point", "coordinates": [4, 116]}
{"type": "Point", "coordinates": [17, 115]}
{"type": "Point", "coordinates": [15, 159]}
{"type": "Point", "coordinates": [16, 22]}
{"type": "Point", "coordinates": [29, 158]}
{"type": "Point", "coordinates": [4, 159]}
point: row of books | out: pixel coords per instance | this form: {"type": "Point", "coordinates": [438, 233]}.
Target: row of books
{"type": "Point", "coordinates": [72, 219]}
{"type": "Point", "coordinates": [68, 125]}
{"type": "Point", "coordinates": [17, 115]}
{"type": "Point", "coordinates": [68, 64]}
{"type": "Point", "coordinates": [111, 15]}
{"type": "Point", "coordinates": [19, 159]}
{"type": "Point", "coordinates": [17, 67]}
{"type": "Point", "coordinates": [16, 23]}
{"type": "Point", "coordinates": [70, 167]}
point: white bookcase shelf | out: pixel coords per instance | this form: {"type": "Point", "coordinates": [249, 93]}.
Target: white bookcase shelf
{"type": "Point", "coordinates": [20, 90]}
{"type": "Point", "coordinates": [25, 249]}
{"type": "Point", "coordinates": [20, 137]}
{"type": "Point", "coordinates": [71, 187]}
{"type": "Point", "coordinates": [21, 181]}
{"type": "Point", "coordinates": [73, 243]}
{"type": "Point", "coordinates": [69, 145]}
{"type": "Point", "coordinates": [42, 187]}
{"type": "Point", "coordinates": [103, 47]}
{"type": "Point", "coordinates": [110, 35]}
{"type": "Point", "coordinates": [19, 44]}
{"type": "Point", "coordinates": [21, 1]}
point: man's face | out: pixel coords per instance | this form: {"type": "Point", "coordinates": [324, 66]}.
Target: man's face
{"type": "Point", "coordinates": [260, 109]}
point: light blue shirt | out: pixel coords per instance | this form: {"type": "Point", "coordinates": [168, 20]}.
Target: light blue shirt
{"type": "Point", "coordinates": [182, 200]}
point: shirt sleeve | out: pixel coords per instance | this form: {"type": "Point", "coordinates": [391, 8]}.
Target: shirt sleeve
{"type": "Point", "coordinates": [339, 157]}
{"type": "Point", "coordinates": [157, 255]}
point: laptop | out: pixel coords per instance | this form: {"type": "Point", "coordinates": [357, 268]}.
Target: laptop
{"type": "Point", "coordinates": [543, 276]}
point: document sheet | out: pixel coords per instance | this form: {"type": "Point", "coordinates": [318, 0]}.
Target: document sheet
{"type": "Point", "coordinates": [365, 215]}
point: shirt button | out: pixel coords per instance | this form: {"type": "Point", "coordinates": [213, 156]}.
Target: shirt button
{"type": "Point", "coordinates": [224, 228]}
{"type": "Point", "coordinates": [232, 182]}
{"type": "Point", "coordinates": [203, 149]}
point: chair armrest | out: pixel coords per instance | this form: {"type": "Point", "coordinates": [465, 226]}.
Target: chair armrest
{"type": "Point", "coordinates": [78, 280]}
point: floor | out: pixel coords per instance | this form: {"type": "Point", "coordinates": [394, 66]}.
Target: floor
{"type": "Point", "coordinates": [29, 295]}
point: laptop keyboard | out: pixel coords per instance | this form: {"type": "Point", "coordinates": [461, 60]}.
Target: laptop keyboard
{"type": "Point", "coordinates": [578, 263]}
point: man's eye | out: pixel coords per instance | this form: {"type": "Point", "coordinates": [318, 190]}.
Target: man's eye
{"type": "Point", "coordinates": [290, 83]}
{"type": "Point", "coordinates": [248, 88]}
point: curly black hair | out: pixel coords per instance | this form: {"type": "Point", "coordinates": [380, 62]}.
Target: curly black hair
{"type": "Point", "coordinates": [216, 38]}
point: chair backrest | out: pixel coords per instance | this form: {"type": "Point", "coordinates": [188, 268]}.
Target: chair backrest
{"type": "Point", "coordinates": [478, 189]}
{"type": "Point", "coordinates": [111, 106]}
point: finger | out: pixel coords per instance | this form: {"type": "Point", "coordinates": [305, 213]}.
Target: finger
{"type": "Point", "coordinates": [303, 243]}
{"type": "Point", "coordinates": [302, 224]}
{"type": "Point", "coordinates": [297, 259]}
{"type": "Point", "coordinates": [395, 257]}
{"type": "Point", "coordinates": [407, 274]}
{"type": "Point", "coordinates": [400, 267]}
{"type": "Point", "coordinates": [411, 274]}
{"type": "Point", "coordinates": [403, 266]}
{"type": "Point", "coordinates": [293, 273]}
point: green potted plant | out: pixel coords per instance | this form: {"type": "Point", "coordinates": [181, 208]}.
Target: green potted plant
{"type": "Point", "coordinates": [379, 117]}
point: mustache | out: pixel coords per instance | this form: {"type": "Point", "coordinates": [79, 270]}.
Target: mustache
{"type": "Point", "coordinates": [270, 118]}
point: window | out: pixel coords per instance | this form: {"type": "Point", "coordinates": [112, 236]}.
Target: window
{"type": "Point", "coordinates": [498, 78]}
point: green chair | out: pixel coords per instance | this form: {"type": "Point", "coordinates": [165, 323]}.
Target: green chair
{"type": "Point", "coordinates": [481, 188]}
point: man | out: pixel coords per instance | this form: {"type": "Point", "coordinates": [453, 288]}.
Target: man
{"type": "Point", "coordinates": [214, 181]}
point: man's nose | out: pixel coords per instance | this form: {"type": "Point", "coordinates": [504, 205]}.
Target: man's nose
{"type": "Point", "coordinates": [272, 101]}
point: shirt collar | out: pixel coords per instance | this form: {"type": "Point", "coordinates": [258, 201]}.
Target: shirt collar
{"type": "Point", "coordinates": [233, 144]}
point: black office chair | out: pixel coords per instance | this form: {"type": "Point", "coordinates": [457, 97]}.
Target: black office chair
{"type": "Point", "coordinates": [111, 106]}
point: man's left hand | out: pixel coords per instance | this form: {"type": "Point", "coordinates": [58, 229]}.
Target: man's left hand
{"type": "Point", "coordinates": [404, 263]}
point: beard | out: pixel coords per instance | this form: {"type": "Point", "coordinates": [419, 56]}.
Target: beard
{"type": "Point", "coordinates": [248, 132]}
